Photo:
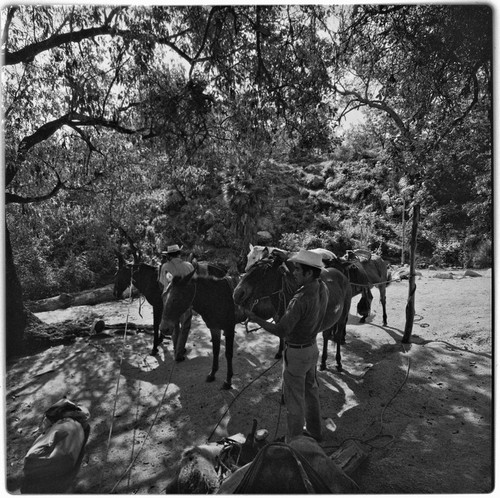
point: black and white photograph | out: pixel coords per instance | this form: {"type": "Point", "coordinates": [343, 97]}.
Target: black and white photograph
{"type": "Point", "coordinates": [248, 248]}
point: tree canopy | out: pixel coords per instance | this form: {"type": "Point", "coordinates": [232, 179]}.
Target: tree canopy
{"type": "Point", "coordinates": [202, 125]}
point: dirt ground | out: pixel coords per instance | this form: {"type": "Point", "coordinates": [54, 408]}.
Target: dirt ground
{"type": "Point", "coordinates": [423, 411]}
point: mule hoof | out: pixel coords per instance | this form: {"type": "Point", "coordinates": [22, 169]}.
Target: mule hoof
{"type": "Point", "coordinates": [210, 378]}
{"type": "Point", "coordinates": [385, 324]}
{"type": "Point", "coordinates": [322, 366]}
{"type": "Point", "coordinates": [339, 368]}
{"type": "Point", "coordinates": [226, 386]}
{"type": "Point", "coordinates": [154, 352]}
{"type": "Point", "coordinates": [278, 356]}
{"type": "Point", "coordinates": [362, 319]}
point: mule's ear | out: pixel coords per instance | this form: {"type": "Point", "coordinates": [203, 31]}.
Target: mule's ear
{"type": "Point", "coordinates": [265, 252]}
{"type": "Point", "coordinates": [250, 246]}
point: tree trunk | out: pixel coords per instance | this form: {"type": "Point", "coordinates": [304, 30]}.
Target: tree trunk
{"type": "Point", "coordinates": [87, 298]}
{"type": "Point", "coordinates": [14, 309]}
{"type": "Point", "coordinates": [412, 287]}
{"type": "Point", "coordinates": [84, 298]}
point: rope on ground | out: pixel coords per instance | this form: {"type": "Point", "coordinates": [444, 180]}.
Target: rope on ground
{"type": "Point", "coordinates": [129, 468]}
{"type": "Point", "coordinates": [136, 424]}
{"type": "Point", "coordinates": [117, 386]}
{"type": "Point", "coordinates": [387, 404]}
{"type": "Point", "coordinates": [237, 396]}
{"type": "Point", "coordinates": [378, 434]}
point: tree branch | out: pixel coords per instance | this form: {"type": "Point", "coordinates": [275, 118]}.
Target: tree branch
{"type": "Point", "coordinates": [73, 120]}
{"type": "Point", "coordinates": [18, 199]}
{"type": "Point", "coordinates": [377, 104]}
{"type": "Point", "coordinates": [28, 53]}
{"type": "Point", "coordinates": [10, 15]}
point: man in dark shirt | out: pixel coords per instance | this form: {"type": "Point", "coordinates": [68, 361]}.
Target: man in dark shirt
{"type": "Point", "coordinates": [299, 327]}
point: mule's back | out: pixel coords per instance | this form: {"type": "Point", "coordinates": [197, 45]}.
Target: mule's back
{"type": "Point", "coordinates": [376, 270]}
{"type": "Point", "coordinates": [214, 301]}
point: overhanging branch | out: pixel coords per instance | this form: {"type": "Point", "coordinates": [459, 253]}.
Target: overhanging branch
{"type": "Point", "coordinates": [18, 199]}
{"type": "Point", "coordinates": [377, 104]}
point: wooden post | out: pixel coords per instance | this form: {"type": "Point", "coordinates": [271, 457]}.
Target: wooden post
{"type": "Point", "coordinates": [410, 306]}
{"type": "Point", "coordinates": [403, 228]}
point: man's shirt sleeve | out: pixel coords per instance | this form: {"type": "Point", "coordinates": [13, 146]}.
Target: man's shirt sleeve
{"type": "Point", "coordinates": [290, 318]}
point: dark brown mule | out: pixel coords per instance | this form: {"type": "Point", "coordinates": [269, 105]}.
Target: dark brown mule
{"type": "Point", "coordinates": [212, 298]}
{"type": "Point", "coordinates": [359, 284]}
{"type": "Point", "coordinates": [273, 278]}
{"type": "Point", "coordinates": [144, 278]}
{"type": "Point", "coordinates": [377, 273]}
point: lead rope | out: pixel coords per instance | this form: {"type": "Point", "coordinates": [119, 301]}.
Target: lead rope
{"type": "Point", "coordinates": [117, 383]}
{"type": "Point", "coordinates": [378, 434]}
{"type": "Point", "coordinates": [129, 468]}
{"type": "Point", "coordinates": [237, 396]}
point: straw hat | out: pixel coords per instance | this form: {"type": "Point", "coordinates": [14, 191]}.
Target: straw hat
{"type": "Point", "coordinates": [308, 258]}
{"type": "Point", "coordinates": [172, 249]}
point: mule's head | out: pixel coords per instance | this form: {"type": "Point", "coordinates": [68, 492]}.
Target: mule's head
{"type": "Point", "coordinates": [263, 279]}
{"type": "Point", "coordinates": [256, 254]}
{"type": "Point", "coordinates": [177, 298]}
{"type": "Point", "coordinates": [122, 276]}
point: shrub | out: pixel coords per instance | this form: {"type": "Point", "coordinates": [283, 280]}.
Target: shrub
{"type": "Point", "coordinates": [75, 275]}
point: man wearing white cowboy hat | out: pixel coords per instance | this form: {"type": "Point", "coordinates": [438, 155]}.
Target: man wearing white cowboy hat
{"type": "Point", "coordinates": [174, 266]}
{"type": "Point", "coordinates": [299, 327]}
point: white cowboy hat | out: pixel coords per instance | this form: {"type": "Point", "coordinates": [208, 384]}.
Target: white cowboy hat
{"type": "Point", "coordinates": [308, 258]}
{"type": "Point", "coordinates": [172, 249]}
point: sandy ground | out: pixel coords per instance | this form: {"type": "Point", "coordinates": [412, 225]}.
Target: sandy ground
{"type": "Point", "coordinates": [423, 411]}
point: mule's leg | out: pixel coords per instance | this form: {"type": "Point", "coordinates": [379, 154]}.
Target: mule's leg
{"type": "Point", "coordinates": [327, 335]}
{"type": "Point", "coordinates": [229, 335]}
{"type": "Point", "coordinates": [341, 328]}
{"type": "Point", "coordinates": [338, 357]}
{"type": "Point", "coordinates": [364, 305]}
{"type": "Point", "coordinates": [215, 333]}
{"type": "Point", "coordinates": [182, 337]}
{"type": "Point", "coordinates": [156, 329]}
{"type": "Point", "coordinates": [382, 301]}
{"type": "Point", "coordinates": [279, 354]}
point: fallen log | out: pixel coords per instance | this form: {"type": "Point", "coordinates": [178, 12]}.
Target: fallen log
{"type": "Point", "coordinates": [65, 300]}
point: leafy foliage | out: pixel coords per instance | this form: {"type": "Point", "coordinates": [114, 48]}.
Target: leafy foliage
{"type": "Point", "coordinates": [202, 125]}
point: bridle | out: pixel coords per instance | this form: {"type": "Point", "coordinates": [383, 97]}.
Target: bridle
{"type": "Point", "coordinates": [281, 293]}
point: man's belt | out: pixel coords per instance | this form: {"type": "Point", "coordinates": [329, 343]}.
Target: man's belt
{"type": "Point", "coordinates": [300, 346]}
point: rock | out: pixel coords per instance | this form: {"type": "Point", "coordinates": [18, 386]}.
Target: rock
{"type": "Point", "coordinates": [471, 273]}
{"type": "Point", "coordinates": [448, 276]}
